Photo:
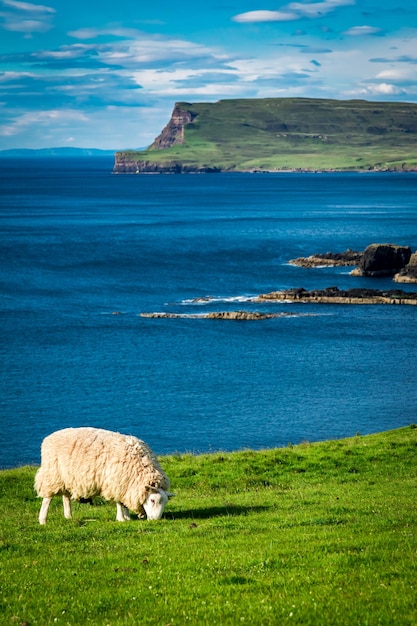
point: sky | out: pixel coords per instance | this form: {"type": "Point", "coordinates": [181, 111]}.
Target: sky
{"type": "Point", "coordinates": [107, 73]}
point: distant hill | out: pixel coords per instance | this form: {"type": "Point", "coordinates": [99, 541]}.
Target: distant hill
{"type": "Point", "coordinates": [55, 152]}
{"type": "Point", "coordinates": [281, 134]}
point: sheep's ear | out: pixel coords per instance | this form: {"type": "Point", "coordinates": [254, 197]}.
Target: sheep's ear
{"type": "Point", "coordinates": [170, 495]}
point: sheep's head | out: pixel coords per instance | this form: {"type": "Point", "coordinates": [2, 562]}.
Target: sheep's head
{"type": "Point", "coordinates": [155, 502]}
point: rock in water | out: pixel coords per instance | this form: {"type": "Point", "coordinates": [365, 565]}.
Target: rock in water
{"type": "Point", "coordinates": [409, 273]}
{"type": "Point", "coordinates": [383, 260]}
{"type": "Point", "coordinates": [329, 259]}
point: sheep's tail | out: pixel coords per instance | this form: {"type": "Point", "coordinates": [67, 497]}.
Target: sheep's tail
{"type": "Point", "coordinates": [38, 481]}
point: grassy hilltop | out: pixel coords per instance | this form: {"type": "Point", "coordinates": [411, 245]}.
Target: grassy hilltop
{"type": "Point", "coordinates": [316, 534]}
{"type": "Point", "coordinates": [274, 134]}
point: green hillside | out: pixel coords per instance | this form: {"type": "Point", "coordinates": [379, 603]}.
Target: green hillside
{"type": "Point", "coordinates": [319, 534]}
{"type": "Point", "coordinates": [285, 134]}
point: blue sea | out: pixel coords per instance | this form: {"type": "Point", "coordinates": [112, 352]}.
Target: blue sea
{"type": "Point", "coordinates": [84, 252]}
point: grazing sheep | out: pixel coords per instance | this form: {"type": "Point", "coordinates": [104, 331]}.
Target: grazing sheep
{"type": "Point", "coordinates": [80, 463]}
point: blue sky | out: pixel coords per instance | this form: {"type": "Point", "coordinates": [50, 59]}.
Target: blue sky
{"type": "Point", "coordinates": [107, 74]}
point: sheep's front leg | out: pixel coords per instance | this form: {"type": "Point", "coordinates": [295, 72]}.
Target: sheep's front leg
{"type": "Point", "coordinates": [123, 514]}
{"type": "Point", "coordinates": [141, 512]}
{"type": "Point", "coordinates": [67, 507]}
{"type": "Point", "coordinates": [43, 514]}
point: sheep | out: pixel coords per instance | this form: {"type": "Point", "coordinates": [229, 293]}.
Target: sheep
{"type": "Point", "coordinates": [80, 463]}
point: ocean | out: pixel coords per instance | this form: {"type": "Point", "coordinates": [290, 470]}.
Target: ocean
{"type": "Point", "coordinates": [84, 252]}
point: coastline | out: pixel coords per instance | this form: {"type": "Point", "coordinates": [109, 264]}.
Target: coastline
{"type": "Point", "coordinates": [146, 168]}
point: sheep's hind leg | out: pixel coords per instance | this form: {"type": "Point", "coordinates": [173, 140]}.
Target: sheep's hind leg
{"type": "Point", "coordinates": [123, 514]}
{"type": "Point", "coordinates": [43, 514]}
{"type": "Point", "coordinates": [67, 507]}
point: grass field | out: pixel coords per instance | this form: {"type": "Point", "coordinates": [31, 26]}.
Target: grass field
{"type": "Point", "coordinates": [292, 134]}
{"type": "Point", "coordinates": [320, 534]}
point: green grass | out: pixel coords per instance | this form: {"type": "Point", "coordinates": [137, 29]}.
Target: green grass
{"type": "Point", "coordinates": [320, 534]}
{"type": "Point", "coordinates": [294, 133]}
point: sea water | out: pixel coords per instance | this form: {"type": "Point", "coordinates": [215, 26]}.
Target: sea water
{"type": "Point", "coordinates": [84, 252]}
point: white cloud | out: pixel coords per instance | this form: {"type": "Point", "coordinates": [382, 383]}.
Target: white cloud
{"type": "Point", "coordinates": [208, 91]}
{"type": "Point", "coordinates": [382, 89]}
{"type": "Point", "coordinates": [66, 52]}
{"type": "Point", "coordinates": [159, 52]}
{"type": "Point", "coordinates": [175, 82]}
{"type": "Point", "coordinates": [125, 127]}
{"type": "Point", "coordinates": [139, 48]}
{"type": "Point", "coordinates": [359, 31]}
{"type": "Point", "coordinates": [28, 7]}
{"type": "Point", "coordinates": [62, 117]}
{"type": "Point", "coordinates": [6, 77]}
{"type": "Point", "coordinates": [27, 26]}
{"type": "Point", "coordinates": [318, 9]}
{"type": "Point", "coordinates": [265, 16]}
{"type": "Point", "coordinates": [293, 11]}
{"type": "Point", "coordinates": [93, 33]}
{"type": "Point", "coordinates": [25, 17]}
{"type": "Point", "coordinates": [395, 74]}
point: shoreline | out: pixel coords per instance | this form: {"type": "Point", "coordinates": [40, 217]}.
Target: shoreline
{"type": "Point", "coordinates": [175, 169]}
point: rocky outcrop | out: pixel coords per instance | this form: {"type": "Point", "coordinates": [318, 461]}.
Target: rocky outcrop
{"type": "Point", "coordinates": [409, 273]}
{"type": "Point", "coordinates": [221, 315]}
{"type": "Point", "coordinates": [173, 132]}
{"type": "Point", "coordinates": [330, 259]}
{"type": "Point", "coordinates": [334, 295]}
{"type": "Point", "coordinates": [242, 315]}
{"type": "Point", "coordinates": [383, 260]}
{"type": "Point", "coordinates": [329, 295]}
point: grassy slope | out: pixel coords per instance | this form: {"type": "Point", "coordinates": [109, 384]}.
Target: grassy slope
{"type": "Point", "coordinates": [320, 534]}
{"type": "Point", "coordinates": [293, 133]}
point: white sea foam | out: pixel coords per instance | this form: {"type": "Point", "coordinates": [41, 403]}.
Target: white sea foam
{"type": "Point", "coordinates": [166, 315]}
{"type": "Point", "coordinates": [203, 300]}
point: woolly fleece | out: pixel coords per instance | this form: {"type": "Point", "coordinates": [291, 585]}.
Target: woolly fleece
{"type": "Point", "coordinates": [87, 462]}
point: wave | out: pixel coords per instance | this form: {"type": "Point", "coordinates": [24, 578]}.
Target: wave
{"type": "Point", "coordinates": [203, 300]}
{"type": "Point", "coordinates": [165, 314]}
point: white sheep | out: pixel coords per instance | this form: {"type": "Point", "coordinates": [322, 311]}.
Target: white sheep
{"type": "Point", "coordinates": [80, 463]}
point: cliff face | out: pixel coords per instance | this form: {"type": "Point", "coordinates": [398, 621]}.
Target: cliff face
{"type": "Point", "coordinates": [173, 132]}
{"type": "Point", "coordinates": [126, 164]}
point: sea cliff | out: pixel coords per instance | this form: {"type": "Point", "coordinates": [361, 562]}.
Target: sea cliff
{"type": "Point", "coordinates": [280, 134]}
